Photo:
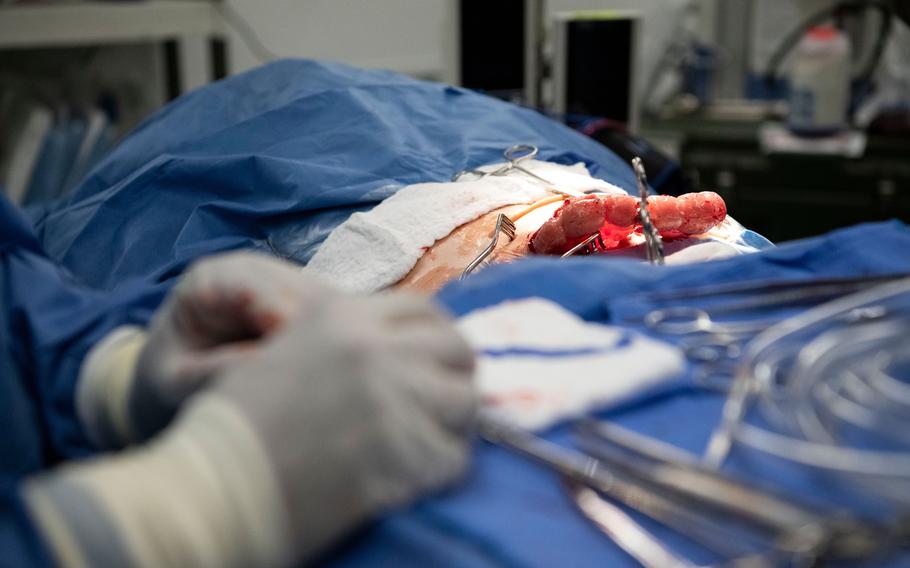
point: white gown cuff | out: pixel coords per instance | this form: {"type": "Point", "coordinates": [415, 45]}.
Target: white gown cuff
{"type": "Point", "coordinates": [103, 387]}
{"type": "Point", "coordinates": [203, 494]}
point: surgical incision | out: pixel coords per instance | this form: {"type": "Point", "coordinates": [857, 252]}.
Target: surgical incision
{"type": "Point", "coordinates": [617, 217]}
{"type": "Point", "coordinates": [554, 226]}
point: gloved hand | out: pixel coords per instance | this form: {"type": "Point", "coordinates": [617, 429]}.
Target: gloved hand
{"type": "Point", "coordinates": [133, 382]}
{"type": "Point", "coordinates": [360, 405]}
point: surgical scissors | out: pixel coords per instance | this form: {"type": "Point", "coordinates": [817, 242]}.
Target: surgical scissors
{"type": "Point", "coordinates": [514, 155]}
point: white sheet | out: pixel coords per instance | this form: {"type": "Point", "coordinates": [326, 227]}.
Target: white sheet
{"type": "Point", "coordinates": [539, 364]}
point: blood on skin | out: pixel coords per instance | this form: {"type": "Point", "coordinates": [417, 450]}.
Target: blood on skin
{"type": "Point", "coordinates": [616, 217]}
{"type": "Point", "coordinates": [613, 236]}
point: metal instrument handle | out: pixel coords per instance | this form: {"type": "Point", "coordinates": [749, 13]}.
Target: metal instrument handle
{"type": "Point", "coordinates": [654, 244]}
{"type": "Point", "coordinates": [519, 153]}
{"type": "Point", "coordinates": [678, 320]}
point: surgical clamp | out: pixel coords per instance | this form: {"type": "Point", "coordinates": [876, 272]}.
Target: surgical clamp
{"type": "Point", "coordinates": [585, 245]}
{"type": "Point", "coordinates": [517, 154]}
{"type": "Point", "coordinates": [691, 481]}
{"type": "Point", "coordinates": [793, 528]}
{"type": "Point", "coordinates": [590, 472]}
{"type": "Point", "coordinates": [623, 530]}
{"type": "Point", "coordinates": [514, 155]}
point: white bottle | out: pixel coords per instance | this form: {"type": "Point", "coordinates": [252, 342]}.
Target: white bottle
{"type": "Point", "coordinates": [820, 82]}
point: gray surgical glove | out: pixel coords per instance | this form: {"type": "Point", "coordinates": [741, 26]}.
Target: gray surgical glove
{"type": "Point", "coordinates": [358, 406]}
{"type": "Point", "coordinates": [133, 382]}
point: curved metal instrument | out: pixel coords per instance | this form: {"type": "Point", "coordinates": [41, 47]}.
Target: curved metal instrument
{"type": "Point", "coordinates": [514, 155]}
{"type": "Point", "coordinates": [504, 224]}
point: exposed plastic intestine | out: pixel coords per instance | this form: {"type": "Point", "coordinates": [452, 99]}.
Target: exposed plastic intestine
{"type": "Point", "coordinates": [616, 218]}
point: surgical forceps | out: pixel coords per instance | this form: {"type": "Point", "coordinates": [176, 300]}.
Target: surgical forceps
{"type": "Point", "coordinates": [504, 224]}
{"type": "Point", "coordinates": [514, 155]}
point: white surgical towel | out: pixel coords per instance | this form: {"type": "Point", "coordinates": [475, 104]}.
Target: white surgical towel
{"type": "Point", "coordinates": [539, 364]}
{"type": "Point", "coordinates": [375, 249]}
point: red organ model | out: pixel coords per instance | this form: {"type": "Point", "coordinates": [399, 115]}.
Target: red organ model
{"type": "Point", "coordinates": [616, 217]}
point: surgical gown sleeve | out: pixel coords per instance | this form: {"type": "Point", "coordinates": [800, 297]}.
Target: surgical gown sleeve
{"type": "Point", "coordinates": [48, 323]}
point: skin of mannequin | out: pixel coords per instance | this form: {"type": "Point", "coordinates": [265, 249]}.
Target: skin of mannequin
{"type": "Point", "coordinates": [448, 257]}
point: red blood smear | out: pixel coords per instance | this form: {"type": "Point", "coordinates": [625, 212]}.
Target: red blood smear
{"type": "Point", "coordinates": [613, 236]}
